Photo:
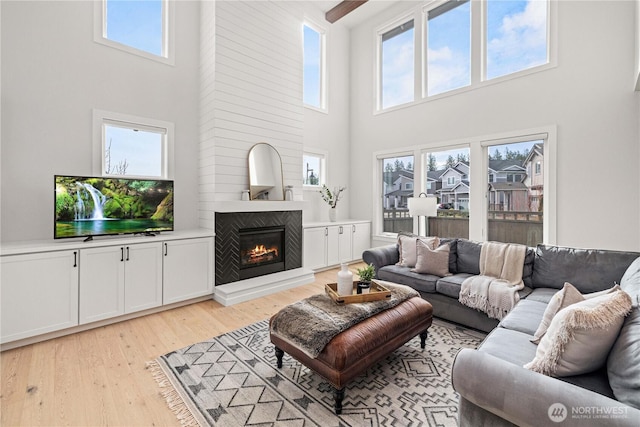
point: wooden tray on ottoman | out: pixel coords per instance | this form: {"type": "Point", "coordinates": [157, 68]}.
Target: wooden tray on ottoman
{"type": "Point", "coordinates": [377, 292]}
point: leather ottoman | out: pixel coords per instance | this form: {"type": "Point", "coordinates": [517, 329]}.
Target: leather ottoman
{"type": "Point", "coordinates": [353, 351]}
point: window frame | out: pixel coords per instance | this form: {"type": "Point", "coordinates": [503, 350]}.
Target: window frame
{"type": "Point", "coordinates": [102, 118]}
{"type": "Point", "coordinates": [322, 32]}
{"type": "Point", "coordinates": [478, 53]}
{"type": "Point", "coordinates": [379, 32]}
{"type": "Point", "coordinates": [168, 38]}
{"type": "Point", "coordinates": [323, 155]}
{"type": "Point", "coordinates": [478, 155]}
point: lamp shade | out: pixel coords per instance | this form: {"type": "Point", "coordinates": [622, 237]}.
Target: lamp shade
{"type": "Point", "coordinates": [423, 206]}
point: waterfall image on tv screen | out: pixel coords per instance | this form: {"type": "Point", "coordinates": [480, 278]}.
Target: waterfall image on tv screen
{"type": "Point", "coordinates": [94, 206]}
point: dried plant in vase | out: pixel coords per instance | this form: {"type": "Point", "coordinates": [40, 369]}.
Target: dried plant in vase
{"type": "Point", "coordinates": [332, 199]}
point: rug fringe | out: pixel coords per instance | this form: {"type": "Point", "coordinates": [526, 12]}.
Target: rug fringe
{"type": "Point", "coordinates": [173, 398]}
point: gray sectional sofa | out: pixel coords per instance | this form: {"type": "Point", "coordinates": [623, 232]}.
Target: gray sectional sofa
{"type": "Point", "coordinates": [495, 389]}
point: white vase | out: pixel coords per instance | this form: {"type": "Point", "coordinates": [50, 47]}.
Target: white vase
{"type": "Point", "coordinates": [345, 281]}
{"type": "Point", "coordinates": [333, 212]}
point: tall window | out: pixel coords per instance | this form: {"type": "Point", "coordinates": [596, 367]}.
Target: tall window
{"type": "Point", "coordinates": [448, 50]}
{"type": "Point", "coordinates": [313, 68]}
{"type": "Point", "coordinates": [140, 27]}
{"type": "Point", "coordinates": [397, 65]}
{"type": "Point", "coordinates": [132, 146]}
{"type": "Point", "coordinates": [516, 37]}
{"type": "Point", "coordinates": [515, 195]}
{"type": "Point", "coordinates": [397, 187]}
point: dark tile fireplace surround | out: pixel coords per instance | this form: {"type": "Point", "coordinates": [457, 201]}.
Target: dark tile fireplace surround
{"type": "Point", "coordinates": [252, 244]}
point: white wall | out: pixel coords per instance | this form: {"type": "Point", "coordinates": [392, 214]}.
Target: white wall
{"type": "Point", "coordinates": [589, 96]}
{"type": "Point", "coordinates": [330, 130]}
{"type": "Point", "coordinates": [53, 75]}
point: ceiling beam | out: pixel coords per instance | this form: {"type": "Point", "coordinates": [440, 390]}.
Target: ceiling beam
{"type": "Point", "coordinates": [342, 9]}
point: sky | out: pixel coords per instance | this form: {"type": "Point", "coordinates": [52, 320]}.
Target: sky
{"type": "Point", "coordinates": [311, 72]}
{"type": "Point", "coordinates": [136, 23]}
{"type": "Point", "coordinates": [516, 40]}
{"type": "Point", "coordinates": [142, 150]}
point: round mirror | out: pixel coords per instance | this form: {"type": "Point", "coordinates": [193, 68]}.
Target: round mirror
{"type": "Point", "coordinates": [265, 173]}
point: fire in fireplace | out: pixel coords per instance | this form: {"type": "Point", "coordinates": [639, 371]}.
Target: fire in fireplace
{"type": "Point", "coordinates": [261, 251]}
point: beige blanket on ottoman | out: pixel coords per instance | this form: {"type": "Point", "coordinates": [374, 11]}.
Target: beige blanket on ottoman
{"type": "Point", "coordinates": [495, 290]}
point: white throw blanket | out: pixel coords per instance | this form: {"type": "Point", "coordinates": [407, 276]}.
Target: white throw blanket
{"type": "Point", "coordinates": [495, 290]}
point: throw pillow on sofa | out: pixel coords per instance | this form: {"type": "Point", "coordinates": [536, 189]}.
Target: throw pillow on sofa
{"type": "Point", "coordinates": [623, 364]}
{"type": "Point", "coordinates": [563, 298]}
{"type": "Point", "coordinates": [432, 261]}
{"type": "Point", "coordinates": [407, 248]}
{"type": "Point", "coordinates": [581, 335]}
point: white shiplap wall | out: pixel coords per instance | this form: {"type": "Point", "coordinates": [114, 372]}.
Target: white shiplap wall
{"type": "Point", "coordinates": [254, 51]}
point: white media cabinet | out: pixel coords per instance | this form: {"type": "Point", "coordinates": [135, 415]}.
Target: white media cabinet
{"type": "Point", "coordinates": [54, 288]}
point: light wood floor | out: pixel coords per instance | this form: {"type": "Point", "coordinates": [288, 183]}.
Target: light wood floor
{"type": "Point", "coordinates": [98, 377]}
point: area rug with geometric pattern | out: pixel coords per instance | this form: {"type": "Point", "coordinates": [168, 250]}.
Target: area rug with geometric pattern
{"type": "Point", "coordinates": [232, 380]}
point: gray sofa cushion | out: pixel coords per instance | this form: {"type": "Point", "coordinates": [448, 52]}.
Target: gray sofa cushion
{"type": "Point", "coordinates": [511, 346]}
{"type": "Point", "coordinates": [404, 275]}
{"type": "Point", "coordinates": [468, 256]}
{"type": "Point", "coordinates": [450, 285]}
{"type": "Point", "coordinates": [453, 253]}
{"type": "Point", "coordinates": [542, 294]}
{"type": "Point", "coordinates": [589, 270]}
{"type": "Point", "coordinates": [525, 317]}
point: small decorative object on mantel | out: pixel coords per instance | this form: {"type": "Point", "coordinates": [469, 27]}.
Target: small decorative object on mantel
{"type": "Point", "coordinates": [288, 192]}
{"type": "Point", "coordinates": [245, 195]}
{"type": "Point", "coordinates": [332, 199]}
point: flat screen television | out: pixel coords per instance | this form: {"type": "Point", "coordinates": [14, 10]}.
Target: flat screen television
{"type": "Point", "coordinates": [98, 206]}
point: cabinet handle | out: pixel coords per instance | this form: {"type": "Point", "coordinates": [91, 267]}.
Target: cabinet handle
{"type": "Point", "coordinates": [127, 253]}
{"type": "Point", "coordinates": [165, 249]}
{"type": "Point", "coordinates": [353, 228]}
{"type": "Point", "coordinates": [340, 230]}
{"type": "Point", "coordinates": [121, 254]}
{"type": "Point", "coordinates": [75, 258]}
{"type": "Point", "coordinates": [326, 231]}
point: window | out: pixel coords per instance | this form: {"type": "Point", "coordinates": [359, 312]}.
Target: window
{"type": "Point", "coordinates": [538, 168]}
{"type": "Point", "coordinates": [139, 27]}
{"type": "Point", "coordinates": [397, 173]}
{"type": "Point", "coordinates": [313, 68]}
{"type": "Point", "coordinates": [450, 170]}
{"type": "Point", "coordinates": [516, 36]}
{"type": "Point", "coordinates": [464, 45]}
{"type": "Point", "coordinates": [448, 52]}
{"type": "Point", "coordinates": [313, 168]}
{"type": "Point", "coordinates": [514, 209]}
{"type": "Point", "coordinates": [396, 47]}
{"type": "Point", "coordinates": [408, 186]}
{"type": "Point", "coordinates": [132, 146]}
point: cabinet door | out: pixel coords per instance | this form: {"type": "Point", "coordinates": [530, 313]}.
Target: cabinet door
{"type": "Point", "coordinates": [333, 245]}
{"type": "Point", "coordinates": [345, 243]}
{"type": "Point", "coordinates": [315, 251]}
{"type": "Point", "coordinates": [143, 276]}
{"type": "Point", "coordinates": [39, 294]}
{"type": "Point", "coordinates": [101, 283]}
{"type": "Point", "coordinates": [361, 239]}
{"type": "Point", "coordinates": [187, 269]}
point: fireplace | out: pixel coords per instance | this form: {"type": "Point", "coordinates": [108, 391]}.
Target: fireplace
{"type": "Point", "coordinates": [261, 251]}
{"type": "Point", "coordinates": [252, 244]}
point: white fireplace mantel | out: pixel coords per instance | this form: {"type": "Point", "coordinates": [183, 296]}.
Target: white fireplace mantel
{"type": "Point", "coordinates": [258, 206]}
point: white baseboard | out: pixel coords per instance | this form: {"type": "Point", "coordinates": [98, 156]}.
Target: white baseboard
{"type": "Point", "coordinates": [245, 290]}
